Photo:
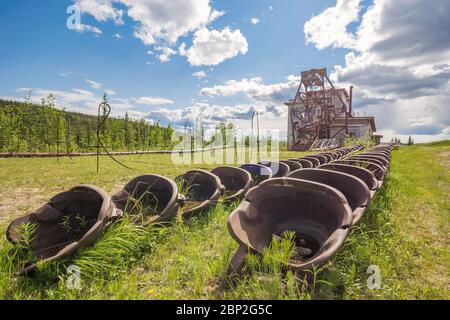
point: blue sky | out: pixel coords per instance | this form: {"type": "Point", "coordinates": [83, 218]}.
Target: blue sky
{"type": "Point", "coordinates": [266, 40]}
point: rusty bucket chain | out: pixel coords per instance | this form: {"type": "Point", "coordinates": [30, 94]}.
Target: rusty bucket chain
{"type": "Point", "coordinates": [319, 201]}
{"type": "Point", "coordinates": [342, 180]}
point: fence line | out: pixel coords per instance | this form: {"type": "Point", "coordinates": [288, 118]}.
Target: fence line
{"type": "Point", "coordinates": [89, 154]}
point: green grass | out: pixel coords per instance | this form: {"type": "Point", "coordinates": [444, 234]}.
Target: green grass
{"type": "Point", "coordinates": [405, 232]}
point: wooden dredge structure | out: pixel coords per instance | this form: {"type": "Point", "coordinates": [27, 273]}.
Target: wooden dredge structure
{"type": "Point", "coordinates": [320, 115]}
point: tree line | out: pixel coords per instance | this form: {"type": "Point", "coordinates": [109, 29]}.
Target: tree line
{"type": "Point", "coordinates": [31, 127]}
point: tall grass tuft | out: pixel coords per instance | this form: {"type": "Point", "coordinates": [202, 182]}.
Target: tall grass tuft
{"type": "Point", "coordinates": [267, 276]}
{"type": "Point", "coordinates": [116, 251]}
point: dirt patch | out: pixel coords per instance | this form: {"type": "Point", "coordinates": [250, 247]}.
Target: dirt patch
{"type": "Point", "coordinates": [18, 202]}
{"type": "Point", "coordinates": [445, 159]}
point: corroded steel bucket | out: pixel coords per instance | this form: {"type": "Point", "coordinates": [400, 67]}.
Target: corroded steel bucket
{"type": "Point", "coordinates": [354, 189]}
{"type": "Point", "coordinates": [201, 189]}
{"type": "Point", "coordinates": [293, 165]}
{"type": "Point", "coordinates": [303, 162]}
{"type": "Point", "coordinates": [149, 199]}
{"type": "Point", "coordinates": [236, 182]}
{"type": "Point", "coordinates": [319, 216]}
{"type": "Point", "coordinates": [368, 159]}
{"type": "Point", "coordinates": [322, 159]}
{"type": "Point", "coordinates": [362, 173]}
{"type": "Point", "coordinates": [328, 156]}
{"type": "Point", "coordinates": [313, 160]}
{"type": "Point", "coordinates": [258, 172]}
{"type": "Point", "coordinates": [279, 169]}
{"type": "Point", "coordinates": [70, 221]}
{"type": "Point", "coordinates": [378, 172]}
{"type": "Point", "coordinates": [378, 157]}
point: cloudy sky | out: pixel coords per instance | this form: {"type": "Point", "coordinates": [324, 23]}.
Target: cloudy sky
{"type": "Point", "coordinates": [173, 61]}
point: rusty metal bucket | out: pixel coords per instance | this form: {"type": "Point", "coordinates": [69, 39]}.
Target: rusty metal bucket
{"type": "Point", "coordinates": [341, 154]}
{"type": "Point", "coordinates": [328, 156]}
{"type": "Point", "coordinates": [201, 190]}
{"type": "Point", "coordinates": [385, 161]}
{"type": "Point", "coordinates": [303, 162]}
{"type": "Point", "coordinates": [258, 172]}
{"type": "Point", "coordinates": [236, 182]}
{"type": "Point", "coordinates": [70, 221]}
{"type": "Point", "coordinates": [318, 214]}
{"type": "Point", "coordinates": [149, 198]}
{"type": "Point", "coordinates": [368, 159]}
{"type": "Point", "coordinates": [293, 165]}
{"type": "Point", "coordinates": [279, 169]}
{"type": "Point", "coordinates": [385, 151]}
{"type": "Point", "coordinates": [336, 155]}
{"type": "Point", "coordinates": [313, 160]}
{"type": "Point", "coordinates": [354, 189]}
{"type": "Point", "coordinates": [378, 172]}
{"type": "Point", "coordinates": [361, 173]}
{"type": "Point", "coordinates": [322, 159]}
{"type": "Point", "coordinates": [385, 156]}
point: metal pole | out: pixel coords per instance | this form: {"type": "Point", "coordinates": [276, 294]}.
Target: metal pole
{"type": "Point", "coordinates": [257, 138]}
{"type": "Point", "coordinates": [67, 135]}
{"type": "Point", "coordinates": [98, 136]}
{"type": "Point", "coordinates": [57, 136]}
{"type": "Point", "coordinates": [351, 101]}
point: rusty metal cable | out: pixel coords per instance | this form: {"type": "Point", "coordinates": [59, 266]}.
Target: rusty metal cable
{"type": "Point", "coordinates": [101, 120]}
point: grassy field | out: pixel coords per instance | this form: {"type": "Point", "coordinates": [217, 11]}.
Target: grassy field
{"type": "Point", "coordinates": [405, 233]}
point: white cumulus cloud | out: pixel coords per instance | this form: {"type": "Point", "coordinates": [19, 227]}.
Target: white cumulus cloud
{"type": "Point", "coordinates": [256, 89]}
{"type": "Point", "coordinates": [101, 10]}
{"type": "Point", "coordinates": [330, 27]}
{"type": "Point", "coordinates": [82, 28]}
{"type": "Point", "coordinates": [199, 74]}
{"type": "Point", "coordinates": [161, 23]}
{"type": "Point", "coordinates": [399, 63]}
{"type": "Point", "coordinates": [254, 20]}
{"type": "Point", "coordinates": [212, 47]}
{"type": "Point", "coordinates": [165, 53]}
{"type": "Point", "coordinates": [93, 84]}
{"type": "Point", "coordinates": [168, 20]}
{"type": "Point", "coordinates": [152, 101]}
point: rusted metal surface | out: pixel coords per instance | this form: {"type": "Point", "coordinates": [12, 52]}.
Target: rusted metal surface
{"type": "Point", "coordinates": [70, 221]}
{"type": "Point", "coordinates": [293, 165]}
{"type": "Point", "coordinates": [319, 216]}
{"type": "Point", "coordinates": [385, 156]}
{"type": "Point", "coordinates": [236, 182]}
{"type": "Point", "coordinates": [362, 173]}
{"type": "Point", "coordinates": [303, 162]}
{"type": "Point", "coordinates": [328, 156]}
{"type": "Point", "coordinates": [279, 169]}
{"type": "Point", "coordinates": [322, 159]}
{"type": "Point", "coordinates": [315, 162]}
{"type": "Point", "coordinates": [258, 172]}
{"type": "Point", "coordinates": [318, 204]}
{"type": "Point", "coordinates": [201, 189]}
{"type": "Point", "coordinates": [354, 189]}
{"type": "Point", "coordinates": [315, 105]}
{"type": "Point", "coordinates": [324, 144]}
{"type": "Point", "coordinates": [367, 159]}
{"type": "Point", "coordinates": [379, 172]}
{"type": "Point", "coordinates": [149, 199]}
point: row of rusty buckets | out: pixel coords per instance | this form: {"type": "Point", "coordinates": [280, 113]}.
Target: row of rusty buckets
{"type": "Point", "coordinates": [319, 197]}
